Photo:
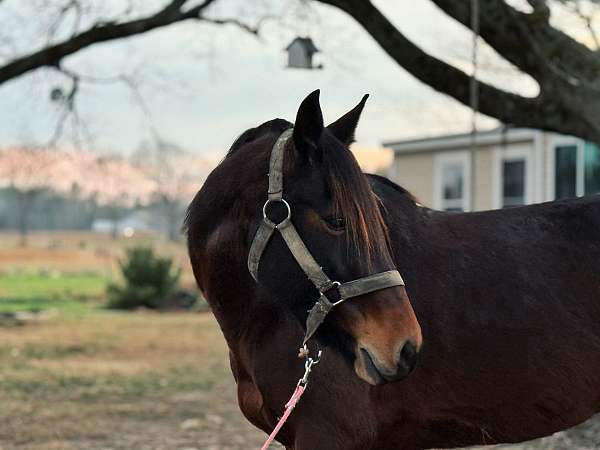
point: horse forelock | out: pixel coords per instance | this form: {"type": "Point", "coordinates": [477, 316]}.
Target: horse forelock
{"type": "Point", "coordinates": [354, 200]}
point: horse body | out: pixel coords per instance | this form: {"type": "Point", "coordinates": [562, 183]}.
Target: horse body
{"type": "Point", "coordinates": [508, 303]}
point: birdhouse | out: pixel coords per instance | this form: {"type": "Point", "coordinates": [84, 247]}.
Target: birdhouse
{"type": "Point", "coordinates": [300, 54]}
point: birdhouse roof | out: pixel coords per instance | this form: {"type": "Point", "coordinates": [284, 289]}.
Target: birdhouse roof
{"type": "Point", "coordinates": [306, 42]}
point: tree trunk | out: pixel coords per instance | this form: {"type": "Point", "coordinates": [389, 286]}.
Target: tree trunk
{"type": "Point", "coordinates": [25, 200]}
{"type": "Point", "coordinates": [114, 217]}
{"type": "Point", "coordinates": [173, 218]}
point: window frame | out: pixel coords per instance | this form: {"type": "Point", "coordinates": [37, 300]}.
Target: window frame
{"type": "Point", "coordinates": [514, 152]}
{"type": "Point", "coordinates": [442, 160]}
{"type": "Point", "coordinates": [579, 164]}
{"type": "Point", "coordinates": [521, 198]}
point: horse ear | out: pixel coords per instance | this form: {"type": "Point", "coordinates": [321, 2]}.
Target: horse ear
{"type": "Point", "coordinates": [345, 126]}
{"type": "Point", "coordinates": [309, 124]}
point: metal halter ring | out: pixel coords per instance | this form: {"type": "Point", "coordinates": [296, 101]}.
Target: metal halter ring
{"type": "Point", "coordinates": [334, 285]}
{"type": "Point", "coordinates": [276, 200]}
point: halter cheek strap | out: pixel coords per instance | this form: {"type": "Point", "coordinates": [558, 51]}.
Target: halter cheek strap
{"type": "Point", "coordinates": [302, 255]}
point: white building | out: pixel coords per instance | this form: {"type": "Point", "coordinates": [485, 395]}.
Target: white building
{"type": "Point", "coordinates": [513, 166]}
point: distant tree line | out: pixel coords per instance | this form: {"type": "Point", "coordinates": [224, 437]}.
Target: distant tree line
{"type": "Point", "coordinates": [47, 211]}
{"type": "Point", "coordinates": [52, 189]}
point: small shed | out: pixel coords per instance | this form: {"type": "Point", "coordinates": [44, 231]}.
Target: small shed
{"type": "Point", "coordinates": [300, 53]}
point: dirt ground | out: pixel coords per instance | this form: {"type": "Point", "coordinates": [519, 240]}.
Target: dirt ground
{"type": "Point", "coordinates": [138, 381]}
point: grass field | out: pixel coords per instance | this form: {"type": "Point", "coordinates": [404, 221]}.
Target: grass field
{"type": "Point", "coordinates": [70, 270]}
{"type": "Point", "coordinates": [105, 380]}
{"type": "Point", "coordinates": [101, 380]}
{"type": "Point", "coordinates": [86, 378]}
{"type": "Point", "coordinates": [40, 291]}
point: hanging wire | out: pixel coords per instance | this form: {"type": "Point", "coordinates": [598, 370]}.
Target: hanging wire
{"type": "Point", "coordinates": [474, 97]}
{"type": "Point", "coordinates": [303, 13]}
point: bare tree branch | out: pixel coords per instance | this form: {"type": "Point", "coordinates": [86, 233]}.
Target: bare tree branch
{"type": "Point", "coordinates": [236, 22]}
{"type": "Point", "coordinates": [67, 105]}
{"type": "Point", "coordinates": [576, 8]}
{"type": "Point", "coordinates": [102, 32]}
{"type": "Point", "coordinates": [572, 109]}
{"type": "Point", "coordinates": [423, 66]}
{"type": "Point", "coordinates": [64, 10]}
{"type": "Point", "coordinates": [528, 40]}
{"type": "Point", "coordinates": [541, 9]}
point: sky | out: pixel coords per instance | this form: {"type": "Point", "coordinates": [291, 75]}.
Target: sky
{"type": "Point", "coordinates": [201, 85]}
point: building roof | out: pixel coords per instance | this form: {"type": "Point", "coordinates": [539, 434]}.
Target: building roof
{"type": "Point", "coordinates": [499, 135]}
{"type": "Point", "coordinates": [306, 42]}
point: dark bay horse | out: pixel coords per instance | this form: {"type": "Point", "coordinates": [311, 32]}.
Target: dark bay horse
{"type": "Point", "coordinates": [507, 302]}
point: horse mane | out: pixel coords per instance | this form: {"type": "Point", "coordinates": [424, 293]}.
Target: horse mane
{"type": "Point", "coordinates": [393, 185]}
{"type": "Point", "coordinates": [272, 126]}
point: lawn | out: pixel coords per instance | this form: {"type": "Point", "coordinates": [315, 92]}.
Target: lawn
{"type": "Point", "coordinates": [69, 271]}
{"type": "Point", "coordinates": [83, 377]}
{"type": "Point", "coordinates": [54, 290]}
{"type": "Point", "coordinates": [106, 380]}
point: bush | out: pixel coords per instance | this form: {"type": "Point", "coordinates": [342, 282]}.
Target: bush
{"type": "Point", "coordinates": [149, 281]}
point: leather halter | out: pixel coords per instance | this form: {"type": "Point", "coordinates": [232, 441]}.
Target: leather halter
{"type": "Point", "coordinates": [302, 255]}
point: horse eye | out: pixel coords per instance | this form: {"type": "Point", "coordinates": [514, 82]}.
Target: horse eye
{"type": "Point", "coordinates": [335, 223]}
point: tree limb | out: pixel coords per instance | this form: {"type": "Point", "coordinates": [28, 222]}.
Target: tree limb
{"type": "Point", "coordinates": [540, 8]}
{"type": "Point", "coordinates": [52, 55]}
{"type": "Point", "coordinates": [426, 68]}
{"type": "Point", "coordinates": [545, 111]}
{"type": "Point", "coordinates": [235, 22]}
{"type": "Point", "coordinates": [587, 20]}
{"type": "Point", "coordinates": [528, 40]}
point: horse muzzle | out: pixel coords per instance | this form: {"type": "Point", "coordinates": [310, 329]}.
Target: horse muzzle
{"type": "Point", "coordinates": [375, 370]}
{"type": "Point", "coordinates": [387, 337]}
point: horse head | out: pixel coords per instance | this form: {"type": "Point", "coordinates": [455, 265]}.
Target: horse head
{"type": "Point", "coordinates": [338, 220]}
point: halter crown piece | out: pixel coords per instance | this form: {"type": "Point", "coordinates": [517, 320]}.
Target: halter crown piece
{"type": "Point", "coordinates": [302, 255]}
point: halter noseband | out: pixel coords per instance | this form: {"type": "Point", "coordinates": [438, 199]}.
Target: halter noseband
{"type": "Point", "coordinates": [302, 255]}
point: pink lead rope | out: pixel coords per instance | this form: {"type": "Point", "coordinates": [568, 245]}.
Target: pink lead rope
{"type": "Point", "coordinates": [293, 401]}
{"type": "Point", "coordinates": [289, 407]}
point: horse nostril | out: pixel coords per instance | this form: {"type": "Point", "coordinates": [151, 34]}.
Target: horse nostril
{"type": "Point", "coordinates": [407, 359]}
{"type": "Point", "coordinates": [370, 368]}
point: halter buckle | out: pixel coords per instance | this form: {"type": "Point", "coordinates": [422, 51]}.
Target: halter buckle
{"type": "Point", "coordinates": [276, 200]}
{"type": "Point", "coordinates": [334, 285]}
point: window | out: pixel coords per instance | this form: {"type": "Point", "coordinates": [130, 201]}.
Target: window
{"type": "Point", "coordinates": [513, 183]}
{"type": "Point", "coordinates": [566, 171]}
{"type": "Point", "coordinates": [577, 170]}
{"type": "Point", "coordinates": [453, 187]}
{"type": "Point", "coordinates": [512, 175]}
{"type": "Point", "coordinates": [591, 168]}
{"type": "Point", "coordinates": [451, 181]}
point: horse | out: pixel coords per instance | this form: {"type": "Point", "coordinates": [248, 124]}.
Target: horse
{"type": "Point", "coordinates": [500, 311]}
